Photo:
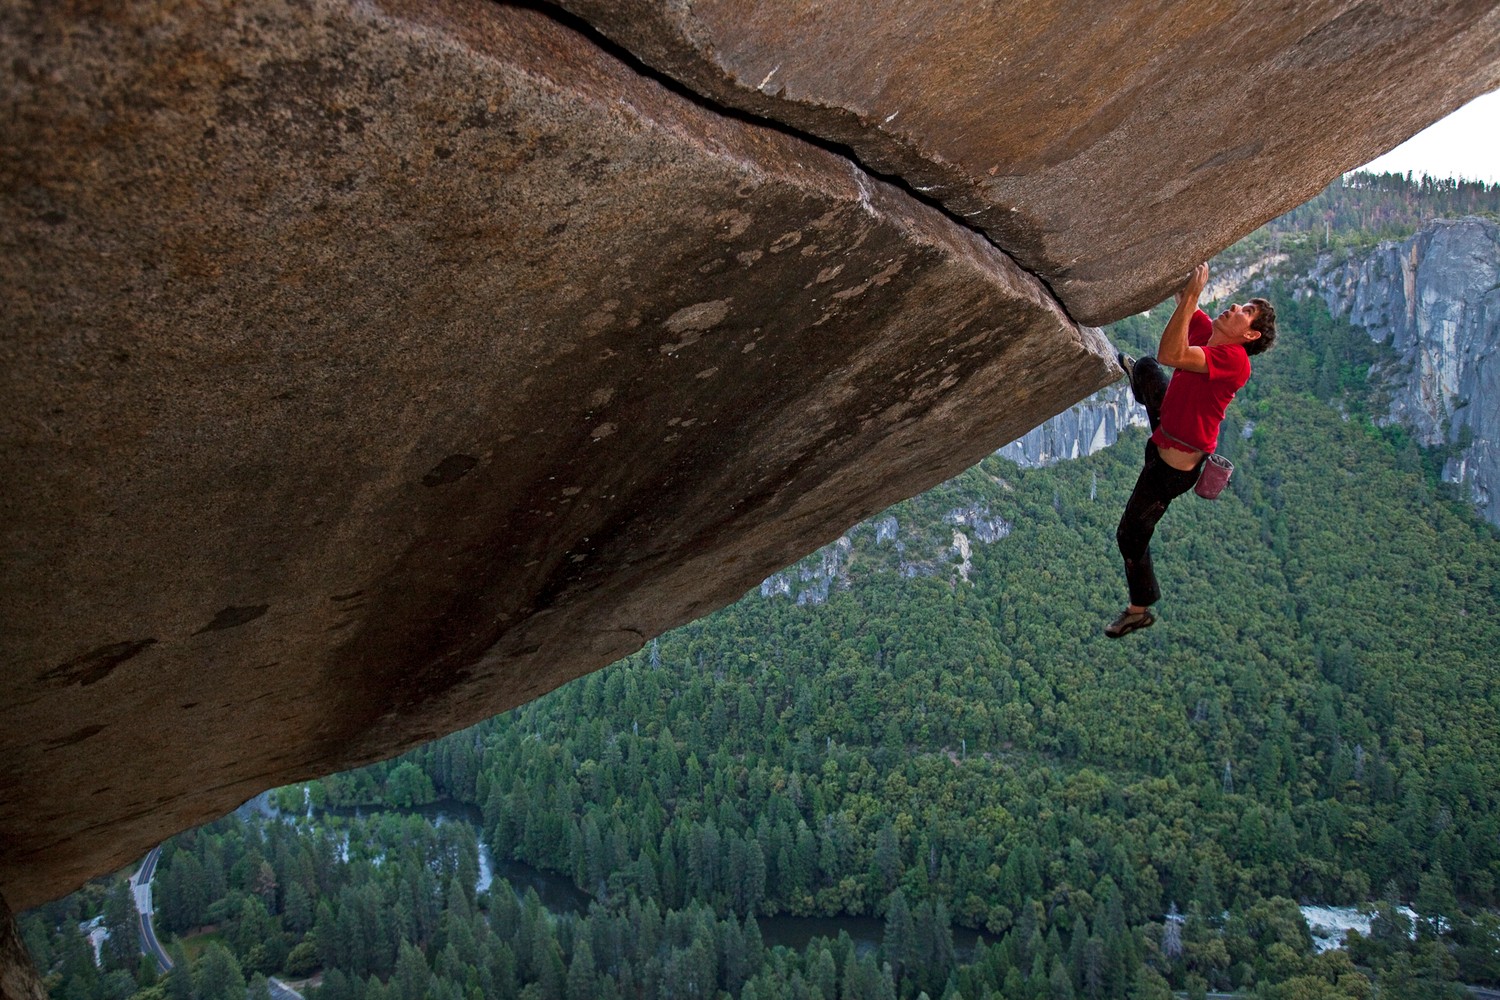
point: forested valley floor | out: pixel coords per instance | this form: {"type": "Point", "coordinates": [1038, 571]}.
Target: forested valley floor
{"type": "Point", "coordinates": [946, 740]}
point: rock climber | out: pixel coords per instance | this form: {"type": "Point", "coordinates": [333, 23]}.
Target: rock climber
{"type": "Point", "coordinates": [1211, 361]}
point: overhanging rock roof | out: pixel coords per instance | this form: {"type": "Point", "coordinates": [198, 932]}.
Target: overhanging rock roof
{"type": "Point", "coordinates": [373, 370]}
{"type": "Point", "coordinates": [373, 367]}
{"type": "Point", "coordinates": [1108, 146]}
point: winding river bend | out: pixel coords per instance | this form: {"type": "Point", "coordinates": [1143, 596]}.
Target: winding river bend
{"type": "Point", "coordinates": [562, 898]}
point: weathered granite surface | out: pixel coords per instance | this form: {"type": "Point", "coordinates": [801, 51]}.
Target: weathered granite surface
{"type": "Point", "coordinates": [371, 368]}
{"type": "Point", "coordinates": [1108, 146]}
{"type": "Point", "coordinates": [18, 979]}
{"type": "Point", "coordinates": [1435, 298]}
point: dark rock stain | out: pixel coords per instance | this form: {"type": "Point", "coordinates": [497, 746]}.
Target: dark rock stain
{"type": "Point", "coordinates": [450, 470]}
{"type": "Point", "coordinates": [232, 617]}
{"type": "Point", "coordinates": [349, 596]}
{"type": "Point", "coordinates": [95, 665]}
{"type": "Point", "coordinates": [77, 736]}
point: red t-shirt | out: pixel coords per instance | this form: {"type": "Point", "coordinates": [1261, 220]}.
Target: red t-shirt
{"type": "Point", "coordinates": [1195, 402]}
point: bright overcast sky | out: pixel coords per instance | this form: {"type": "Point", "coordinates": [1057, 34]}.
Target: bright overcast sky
{"type": "Point", "coordinates": [1465, 144]}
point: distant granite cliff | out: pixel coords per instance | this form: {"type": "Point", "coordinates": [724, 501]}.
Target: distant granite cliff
{"type": "Point", "coordinates": [922, 540]}
{"type": "Point", "coordinates": [1435, 298]}
{"type": "Point", "coordinates": [1081, 430]}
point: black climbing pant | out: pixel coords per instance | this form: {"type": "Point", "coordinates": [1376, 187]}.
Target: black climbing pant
{"type": "Point", "coordinates": [1158, 485]}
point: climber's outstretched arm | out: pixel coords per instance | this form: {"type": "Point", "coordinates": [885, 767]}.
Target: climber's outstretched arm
{"type": "Point", "coordinates": [1175, 350]}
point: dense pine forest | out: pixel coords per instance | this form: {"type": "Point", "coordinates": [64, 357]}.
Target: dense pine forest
{"type": "Point", "coordinates": [938, 737]}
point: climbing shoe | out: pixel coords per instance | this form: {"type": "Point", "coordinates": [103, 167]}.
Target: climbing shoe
{"type": "Point", "coordinates": [1127, 363]}
{"type": "Point", "coordinates": [1128, 622]}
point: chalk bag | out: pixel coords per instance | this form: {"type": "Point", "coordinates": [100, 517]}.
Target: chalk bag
{"type": "Point", "coordinates": [1214, 477]}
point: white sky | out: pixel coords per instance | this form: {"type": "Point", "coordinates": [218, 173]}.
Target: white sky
{"type": "Point", "coordinates": [1465, 144]}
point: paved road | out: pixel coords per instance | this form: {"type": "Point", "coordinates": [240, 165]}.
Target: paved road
{"type": "Point", "coordinates": [140, 888]}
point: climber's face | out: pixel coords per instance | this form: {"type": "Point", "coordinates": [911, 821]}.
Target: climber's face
{"type": "Point", "coordinates": [1233, 324]}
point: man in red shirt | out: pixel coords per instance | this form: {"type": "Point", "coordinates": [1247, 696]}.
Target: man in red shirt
{"type": "Point", "coordinates": [1212, 362]}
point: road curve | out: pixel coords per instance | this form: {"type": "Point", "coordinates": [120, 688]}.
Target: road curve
{"type": "Point", "coordinates": [140, 889]}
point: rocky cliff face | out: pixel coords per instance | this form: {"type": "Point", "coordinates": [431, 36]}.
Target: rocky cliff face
{"type": "Point", "coordinates": [907, 548]}
{"type": "Point", "coordinates": [1435, 298]}
{"type": "Point", "coordinates": [18, 980]}
{"type": "Point", "coordinates": [373, 367]}
{"type": "Point", "coordinates": [1013, 114]}
{"type": "Point", "coordinates": [1080, 430]}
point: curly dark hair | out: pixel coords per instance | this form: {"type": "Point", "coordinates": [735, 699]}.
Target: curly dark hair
{"type": "Point", "coordinates": [1265, 322]}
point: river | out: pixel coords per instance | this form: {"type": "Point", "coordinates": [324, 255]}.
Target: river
{"type": "Point", "coordinates": [562, 898]}
{"type": "Point", "coordinates": [1331, 924]}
